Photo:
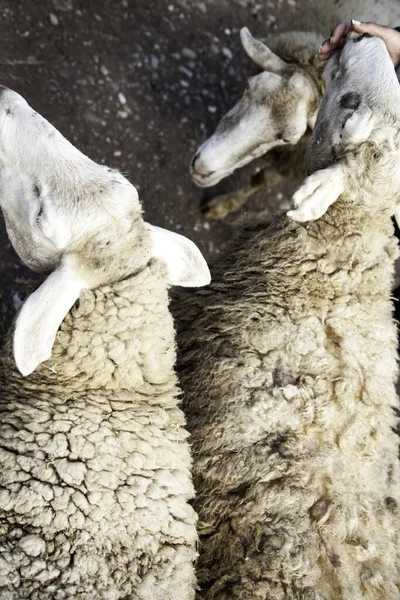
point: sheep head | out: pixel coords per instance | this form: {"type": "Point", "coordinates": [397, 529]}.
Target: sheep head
{"type": "Point", "coordinates": [357, 133]}
{"type": "Point", "coordinates": [76, 220]}
{"type": "Point", "coordinates": [277, 106]}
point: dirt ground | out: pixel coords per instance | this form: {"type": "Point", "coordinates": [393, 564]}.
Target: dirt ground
{"type": "Point", "coordinates": [138, 85]}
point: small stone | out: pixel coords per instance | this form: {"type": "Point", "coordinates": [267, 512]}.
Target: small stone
{"type": "Point", "coordinates": [188, 53]}
{"type": "Point", "coordinates": [227, 53]}
{"type": "Point", "coordinates": [121, 98]}
{"type": "Point", "coordinates": [104, 70]}
{"type": "Point", "coordinates": [212, 109]}
{"type": "Point", "coordinates": [214, 49]}
{"type": "Point", "coordinates": [53, 19]}
{"type": "Point", "coordinates": [154, 62]}
{"type": "Point", "coordinates": [117, 153]}
{"type": "Point", "coordinates": [17, 302]}
{"type": "Point", "coordinates": [185, 71]}
{"type": "Point", "coordinates": [64, 5]}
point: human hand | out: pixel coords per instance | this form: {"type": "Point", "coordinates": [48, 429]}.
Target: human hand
{"type": "Point", "coordinates": [390, 36]}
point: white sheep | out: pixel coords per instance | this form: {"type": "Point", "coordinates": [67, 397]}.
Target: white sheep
{"type": "Point", "coordinates": [280, 104]}
{"type": "Point", "coordinates": [95, 464]}
{"type": "Point", "coordinates": [288, 363]}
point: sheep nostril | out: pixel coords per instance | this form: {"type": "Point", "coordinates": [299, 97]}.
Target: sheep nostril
{"type": "Point", "coordinates": [195, 157]}
{"type": "Point", "coordinates": [197, 168]}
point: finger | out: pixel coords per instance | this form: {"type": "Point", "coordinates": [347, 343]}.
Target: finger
{"type": "Point", "coordinates": [325, 52]}
{"type": "Point", "coordinates": [326, 49]}
{"type": "Point", "coordinates": [372, 28]}
{"type": "Point", "coordinates": [325, 55]}
{"type": "Point", "coordinates": [325, 44]}
{"type": "Point", "coordinates": [340, 31]}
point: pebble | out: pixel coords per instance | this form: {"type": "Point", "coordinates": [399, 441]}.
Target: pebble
{"type": "Point", "coordinates": [121, 98]}
{"type": "Point", "coordinates": [17, 302]}
{"type": "Point", "coordinates": [104, 70]}
{"type": "Point", "coordinates": [64, 5]}
{"type": "Point", "coordinates": [188, 53]}
{"type": "Point", "coordinates": [53, 19]}
{"type": "Point", "coordinates": [227, 53]}
{"type": "Point", "coordinates": [214, 49]}
{"type": "Point", "coordinates": [185, 71]}
{"type": "Point", "coordinates": [212, 109]}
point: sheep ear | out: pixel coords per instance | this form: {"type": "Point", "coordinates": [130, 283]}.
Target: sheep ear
{"type": "Point", "coordinates": [260, 53]}
{"type": "Point", "coordinates": [186, 265]}
{"type": "Point", "coordinates": [317, 193]}
{"type": "Point", "coordinates": [41, 316]}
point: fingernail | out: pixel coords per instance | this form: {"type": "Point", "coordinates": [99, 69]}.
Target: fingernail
{"type": "Point", "coordinates": [355, 22]}
{"type": "Point", "coordinates": [331, 39]}
{"type": "Point", "coordinates": [319, 50]}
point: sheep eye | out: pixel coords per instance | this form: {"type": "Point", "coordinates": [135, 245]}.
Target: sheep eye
{"type": "Point", "coordinates": [39, 214]}
{"type": "Point", "coordinates": [279, 136]}
{"type": "Point", "coordinates": [350, 100]}
{"type": "Point", "coordinates": [36, 191]}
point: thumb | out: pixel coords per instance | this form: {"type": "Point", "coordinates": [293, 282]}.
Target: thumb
{"type": "Point", "coordinates": [372, 28]}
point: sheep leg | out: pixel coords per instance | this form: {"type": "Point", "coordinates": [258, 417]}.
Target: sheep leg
{"type": "Point", "coordinates": [318, 192]}
{"type": "Point", "coordinates": [220, 206]}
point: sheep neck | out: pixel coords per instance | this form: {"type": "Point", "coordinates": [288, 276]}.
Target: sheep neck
{"type": "Point", "coordinates": [117, 340]}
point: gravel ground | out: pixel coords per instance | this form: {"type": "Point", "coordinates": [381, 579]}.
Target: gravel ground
{"type": "Point", "coordinates": [138, 85]}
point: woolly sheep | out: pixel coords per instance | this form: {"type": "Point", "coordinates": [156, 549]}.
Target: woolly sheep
{"type": "Point", "coordinates": [95, 477]}
{"type": "Point", "coordinates": [288, 362]}
{"type": "Point", "coordinates": [279, 104]}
